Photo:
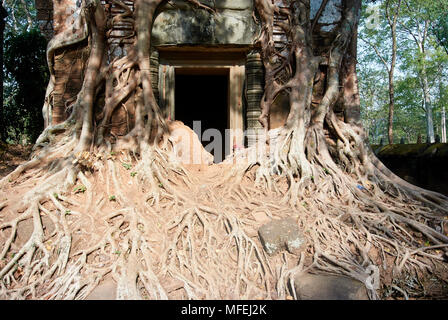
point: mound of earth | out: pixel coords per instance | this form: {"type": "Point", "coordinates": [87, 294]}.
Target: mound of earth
{"type": "Point", "coordinates": [187, 146]}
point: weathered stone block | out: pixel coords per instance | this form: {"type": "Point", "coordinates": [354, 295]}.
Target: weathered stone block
{"type": "Point", "coordinates": [106, 290]}
{"type": "Point", "coordinates": [420, 164]}
{"type": "Point", "coordinates": [280, 235]}
{"type": "Point", "coordinates": [178, 25]}
{"type": "Point", "coordinates": [235, 4]}
{"type": "Point", "coordinates": [329, 287]}
{"type": "Point", "coordinates": [220, 4]}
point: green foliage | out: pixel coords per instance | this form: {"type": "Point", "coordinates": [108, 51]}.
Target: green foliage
{"type": "Point", "coordinates": [127, 166]}
{"type": "Point", "coordinates": [21, 15]}
{"type": "Point", "coordinates": [409, 115]}
{"type": "Point", "coordinates": [80, 189]}
{"type": "Point", "coordinates": [374, 99]}
{"type": "Point", "coordinates": [418, 57]}
{"type": "Point", "coordinates": [440, 30]}
{"type": "Point", "coordinates": [25, 83]}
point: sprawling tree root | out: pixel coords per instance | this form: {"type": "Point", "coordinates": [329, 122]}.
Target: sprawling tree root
{"type": "Point", "coordinates": [89, 206]}
{"type": "Point", "coordinates": [126, 214]}
{"type": "Point", "coordinates": [359, 206]}
{"type": "Point", "coordinates": [176, 246]}
{"type": "Point", "coordinates": [197, 241]}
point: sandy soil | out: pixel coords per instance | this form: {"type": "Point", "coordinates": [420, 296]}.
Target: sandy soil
{"type": "Point", "coordinates": [12, 156]}
{"type": "Point", "coordinates": [434, 287]}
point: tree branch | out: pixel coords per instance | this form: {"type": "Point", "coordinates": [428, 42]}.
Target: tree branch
{"type": "Point", "coordinates": [318, 14]}
{"type": "Point", "coordinates": [198, 4]}
{"type": "Point", "coordinates": [377, 53]}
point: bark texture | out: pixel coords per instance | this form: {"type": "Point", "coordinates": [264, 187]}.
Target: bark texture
{"type": "Point", "coordinates": [3, 15]}
{"type": "Point", "coordinates": [102, 204]}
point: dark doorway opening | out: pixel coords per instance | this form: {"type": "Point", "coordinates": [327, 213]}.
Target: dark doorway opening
{"type": "Point", "coordinates": [203, 97]}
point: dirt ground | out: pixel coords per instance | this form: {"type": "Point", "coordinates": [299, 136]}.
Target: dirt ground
{"type": "Point", "coordinates": [432, 287]}
{"type": "Point", "coordinates": [12, 156]}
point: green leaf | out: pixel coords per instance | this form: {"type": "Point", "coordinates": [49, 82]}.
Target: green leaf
{"type": "Point", "coordinates": [80, 189]}
{"type": "Point", "coordinates": [127, 166]}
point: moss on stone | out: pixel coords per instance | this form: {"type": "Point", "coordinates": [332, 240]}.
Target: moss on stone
{"type": "Point", "coordinates": [437, 149]}
{"type": "Point", "coordinates": [402, 150]}
{"type": "Point", "coordinates": [411, 150]}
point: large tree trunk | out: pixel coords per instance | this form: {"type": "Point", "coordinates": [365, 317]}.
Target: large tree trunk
{"type": "Point", "coordinates": [428, 108]}
{"type": "Point", "coordinates": [393, 29]}
{"type": "Point", "coordinates": [103, 203]}
{"type": "Point", "coordinates": [443, 125]}
{"type": "Point", "coordinates": [391, 79]}
{"type": "Point", "coordinates": [3, 15]}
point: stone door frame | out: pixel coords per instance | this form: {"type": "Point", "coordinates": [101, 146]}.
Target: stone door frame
{"type": "Point", "coordinates": [205, 61]}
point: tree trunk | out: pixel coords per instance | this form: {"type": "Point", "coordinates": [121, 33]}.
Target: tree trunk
{"type": "Point", "coordinates": [3, 15]}
{"type": "Point", "coordinates": [391, 80]}
{"type": "Point", "coordinates": [390, 132]}
{"type": "Point", "coordinates": [428, 108]}
{"type": "Point", "coordinates": [443, 126]}
{"type": "Point", "coordinates": [122, 206]}
{"type": "Point", "coordinates": [393, 29]}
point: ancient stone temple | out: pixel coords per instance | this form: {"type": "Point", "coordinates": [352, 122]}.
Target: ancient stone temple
{"type": "Point", "coordinates": [212, 53]}
{"type": "Point", "coordinates": [205, 66]}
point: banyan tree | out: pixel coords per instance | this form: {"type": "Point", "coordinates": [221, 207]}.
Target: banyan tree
{"type": "Point", "coordinates": [105, 196]}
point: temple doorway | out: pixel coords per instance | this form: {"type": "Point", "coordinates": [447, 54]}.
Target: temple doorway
{"type": "Point", "coordinates": [201, 96]}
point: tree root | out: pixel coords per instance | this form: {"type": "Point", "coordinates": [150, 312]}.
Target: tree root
{"type": "Point", "coordinates": [134, 214]}
{"type": "Point", "coordinates": [161, 239]}
{"type": "Point", "coordinates": [350, 214]}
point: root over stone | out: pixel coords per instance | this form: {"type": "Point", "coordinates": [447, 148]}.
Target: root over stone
{"type": "Point", "coordinates": [92, 205]}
